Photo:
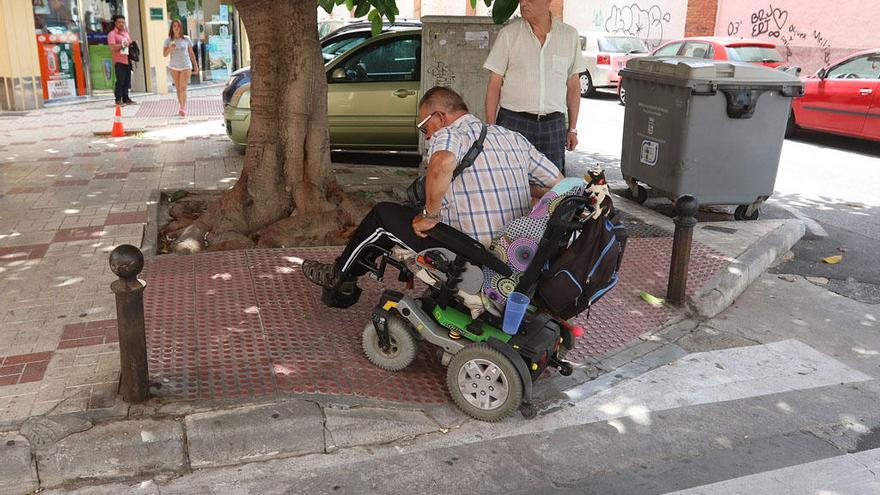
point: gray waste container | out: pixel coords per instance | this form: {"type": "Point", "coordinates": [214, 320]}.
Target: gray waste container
{"type": "Point", "coordinates": [712, 129]}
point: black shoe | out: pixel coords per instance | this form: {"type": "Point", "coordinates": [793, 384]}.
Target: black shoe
{"type": "Point", "coordinates": [340, 291]}
{"type": "Point", "coordinates": [334, 298]}
{"type": "Point", "coordinates": [129, 102]}
{"type": "Point", "coordinates": [323, 274]}
{"type": "Point", "coordinates": [119, 102]}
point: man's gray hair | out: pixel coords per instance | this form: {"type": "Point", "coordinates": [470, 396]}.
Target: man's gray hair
{"type": "Point", "coordinates": [444, 98]}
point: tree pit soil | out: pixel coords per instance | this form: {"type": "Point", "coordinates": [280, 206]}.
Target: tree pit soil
{"type": "Point", "coordinates": [178, 209]}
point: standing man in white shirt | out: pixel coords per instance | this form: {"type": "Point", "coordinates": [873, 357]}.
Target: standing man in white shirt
{"type": "Point", "coordinates": [534, 82]}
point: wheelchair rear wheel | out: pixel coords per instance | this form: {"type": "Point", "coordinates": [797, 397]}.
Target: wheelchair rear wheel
{"type": "Point", "coordinates": [402, 351]}
{"type": "Point", "coordinates": [484, 383]}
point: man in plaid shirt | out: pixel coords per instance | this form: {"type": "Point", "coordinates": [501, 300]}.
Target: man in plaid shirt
{"type": "Point", "coordinates": [497, 188]}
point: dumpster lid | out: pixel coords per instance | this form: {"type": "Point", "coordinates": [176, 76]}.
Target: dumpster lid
{"type": "Point", "coordinates": [684, 70]}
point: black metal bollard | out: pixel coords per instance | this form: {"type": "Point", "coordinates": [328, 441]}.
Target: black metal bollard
{"type": "Point", "coordinates": [127, 261]}
{"type": "Point", "coordinates": [685, 210]}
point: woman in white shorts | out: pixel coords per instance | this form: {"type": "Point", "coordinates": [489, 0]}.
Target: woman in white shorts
{"type": "Point", "coordinates": [182, 63]}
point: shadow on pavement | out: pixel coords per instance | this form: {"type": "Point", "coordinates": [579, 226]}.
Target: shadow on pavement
{"type": "Point", "coordinates": [842, 143]}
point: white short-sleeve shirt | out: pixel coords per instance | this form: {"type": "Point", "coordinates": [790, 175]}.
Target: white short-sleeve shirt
{"type": "Point", "coordinates": [180, 53]}
{"type": "Point", "coordinates": [534, 75]}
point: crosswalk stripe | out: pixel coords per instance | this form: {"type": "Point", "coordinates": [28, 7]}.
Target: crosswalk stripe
{"type": "Point", "coordinates": [850, 474]}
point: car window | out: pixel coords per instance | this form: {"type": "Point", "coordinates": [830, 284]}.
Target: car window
{"type": "Point", "coordinates": [583, 40]}
{"type": "Point", "coordinates": [696, 50]}
{"type": "Point", "coordinates": [754, 54]}
{"type": "Point", "coordinates": [622, 44]}
{"type": "Point", "coordinates": [669, 50]}
{"type": "Point", "coordinates": [391, 60]}
{"type": "Point", "coordinates": [864, 67]}
{"type": "Point", "coordinates": [337, 48]}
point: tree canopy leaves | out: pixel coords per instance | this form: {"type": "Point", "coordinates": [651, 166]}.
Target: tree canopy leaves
{"type": "Point", "coordinates": [375, 10]}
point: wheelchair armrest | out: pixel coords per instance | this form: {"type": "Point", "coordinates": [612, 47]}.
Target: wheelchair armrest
{"type": "Point", "coordinates": [465, 245]}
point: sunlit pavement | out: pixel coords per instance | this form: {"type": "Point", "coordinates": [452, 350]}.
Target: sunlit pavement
{"type": "Point", "coordinates": [67, 197]}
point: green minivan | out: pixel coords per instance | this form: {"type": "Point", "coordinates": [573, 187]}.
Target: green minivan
{"type": "Point", "coordinates": [372, 93]}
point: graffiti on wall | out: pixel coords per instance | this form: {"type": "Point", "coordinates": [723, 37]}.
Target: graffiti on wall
{"type": "Point", "coordinates": [774, 23]}
{"type": "Point", "coordinates": [635, 20]}
{"type": "Point", "coordinates": [443, 74]}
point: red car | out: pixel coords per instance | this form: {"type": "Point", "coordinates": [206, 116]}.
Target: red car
{"type": "Point", "coordinates": [717, 48]}
{"type": "Point", "coordinates": [843, 98]}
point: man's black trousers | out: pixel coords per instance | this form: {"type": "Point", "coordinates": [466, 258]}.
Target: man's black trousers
{"type": "Point", "coordinates": [123, 82]}
{"type": "Point", "coordinates": [385, 225]}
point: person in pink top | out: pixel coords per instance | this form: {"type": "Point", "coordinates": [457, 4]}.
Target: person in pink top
{"type": "Point", "coordinates": [119, 41]}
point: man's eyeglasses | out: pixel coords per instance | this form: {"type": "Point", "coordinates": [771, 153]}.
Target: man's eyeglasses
{"type": "Point", "coordinates": [423, 125]}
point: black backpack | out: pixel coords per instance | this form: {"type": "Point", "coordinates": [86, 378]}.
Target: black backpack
{"type": "Point", "coordinates": [587, 269]}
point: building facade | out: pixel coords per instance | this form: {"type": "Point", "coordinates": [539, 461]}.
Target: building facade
{"type": "Point", "coordinates": [55, 51]}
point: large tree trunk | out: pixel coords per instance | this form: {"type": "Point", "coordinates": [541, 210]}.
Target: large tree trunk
{"type": "Point", "coordinates": [286, 194]}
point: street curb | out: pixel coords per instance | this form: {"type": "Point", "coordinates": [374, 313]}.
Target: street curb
{"type": "Point", "coordinates": [728, 284]}
{"type": "Point", "coordinates": [151, 228]}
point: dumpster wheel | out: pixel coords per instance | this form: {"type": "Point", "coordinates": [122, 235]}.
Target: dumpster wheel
{"type": "Point", "coordinates": [742, 212]}
{"type": "Point", "coordinates": [640, 196]}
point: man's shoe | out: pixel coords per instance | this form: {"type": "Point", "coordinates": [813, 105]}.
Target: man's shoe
{"type": "Point", "coordinates": [119, 102]}
{"type": "Point", "coordinates": [129, 102]}
{"type": "Point", "coordinates": [339, 290]}
{"type": "Point", "coordinates": [323, 274]}
{"type": "Point", "coordinates": [341, 298]}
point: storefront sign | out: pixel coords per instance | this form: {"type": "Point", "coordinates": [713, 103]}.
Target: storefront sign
{"type": "Point", "coordinates": [61, 65]}
{"type": "Point", "coordinates": [156, 14]}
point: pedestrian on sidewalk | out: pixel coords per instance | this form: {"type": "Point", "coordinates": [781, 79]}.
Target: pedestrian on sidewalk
{"type": "Point", "coordinates": [182, 63]}
{"type": "Point", "coordinates": [535, 65]}
{"type": "Point", "coordinates": [485, 197]}
{"type": "Point", "coordinates": [119, 41]}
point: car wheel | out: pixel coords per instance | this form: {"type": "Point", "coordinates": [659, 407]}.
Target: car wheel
{"type": "Point", "coordinates": [587, 89]}
{"type": "Point", "coordinates": [622, 96]}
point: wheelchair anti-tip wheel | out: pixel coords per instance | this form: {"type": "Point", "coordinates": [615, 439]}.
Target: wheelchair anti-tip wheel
{"type": "Point", "coordinates": [402, 349]}
{"type": "Point", "coordinates": [484, 383]}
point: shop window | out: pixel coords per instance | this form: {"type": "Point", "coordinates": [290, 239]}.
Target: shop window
{"type": "Point", "coordinates": [98, 23]}
{"type": "Point", "coordinates": [209, 24]}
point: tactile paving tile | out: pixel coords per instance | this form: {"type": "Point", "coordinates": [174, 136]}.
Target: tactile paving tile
{"type": "Point", "coordinates": [199, 107]}
{"type": "Point", "coordinates": [248, 324]}
{"type": "Point", "coordinates": [622, 315]}
{"type": "Point", "coordinates": [637, 228]}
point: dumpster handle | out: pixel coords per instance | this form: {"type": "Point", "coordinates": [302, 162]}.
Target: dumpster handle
{"type": "Point", "coordinates": [710, 90]}
{"type": "Point", "coordinates": [741, 102]}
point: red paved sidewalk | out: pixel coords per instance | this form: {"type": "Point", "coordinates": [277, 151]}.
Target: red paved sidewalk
{"type": "Point", "coordinates": [248, 324]}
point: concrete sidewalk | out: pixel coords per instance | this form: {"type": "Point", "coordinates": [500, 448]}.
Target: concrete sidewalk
{"type": "Point", "coordinates": [243, 329]}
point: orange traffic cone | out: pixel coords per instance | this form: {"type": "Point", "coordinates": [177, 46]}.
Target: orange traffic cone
{"type": "Point", "coordinates": [118, 131]}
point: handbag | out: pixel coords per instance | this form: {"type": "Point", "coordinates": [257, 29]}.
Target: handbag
{"type": "Point", "coordinates": [134, 52]}
{"type": "Point", "coordinates": [415, 193]}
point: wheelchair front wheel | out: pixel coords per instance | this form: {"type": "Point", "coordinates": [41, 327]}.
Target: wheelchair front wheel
{"type": "Point", "coordinates": [402, 351]}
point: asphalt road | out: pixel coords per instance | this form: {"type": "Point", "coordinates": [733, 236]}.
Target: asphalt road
{"type": "Point", "coordinates": [832, 180]}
